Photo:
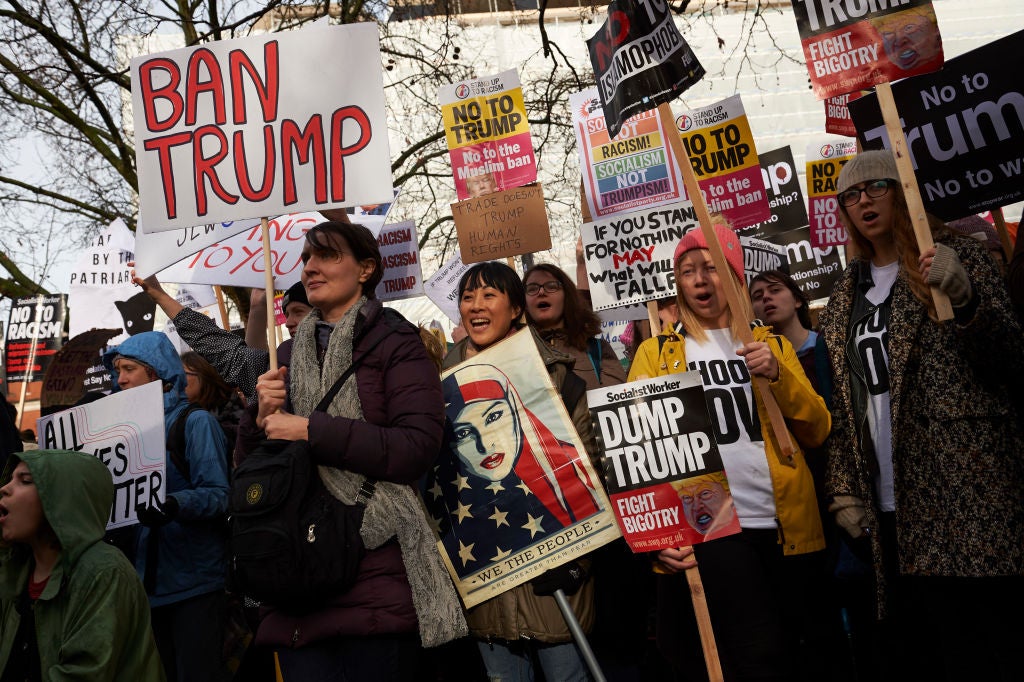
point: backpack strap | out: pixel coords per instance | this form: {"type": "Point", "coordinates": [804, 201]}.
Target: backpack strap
{"type": "Point", "coordinates": [594, 353]}
{"type": "Point", "coordinates": [573, 388]}
{"type": "Point", "coordinates": [381, 331]}
{"type": "Point", "coordinates": [176, 442]}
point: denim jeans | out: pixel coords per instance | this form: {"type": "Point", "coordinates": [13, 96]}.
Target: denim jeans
{"type": "Point", "coordinates": [513, 661]}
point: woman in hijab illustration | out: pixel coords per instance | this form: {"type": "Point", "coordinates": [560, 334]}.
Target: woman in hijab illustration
{"type": "Point", "coordinates": [495, 436]}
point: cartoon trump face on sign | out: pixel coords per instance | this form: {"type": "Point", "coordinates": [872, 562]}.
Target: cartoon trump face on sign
{"type": "Point", "coordinates": [911, 38]}
{"type": "Point", "coordinates": [708, 505]}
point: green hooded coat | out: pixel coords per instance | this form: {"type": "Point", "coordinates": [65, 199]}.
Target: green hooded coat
{"type": "Point", "coordinates": [92, 619]}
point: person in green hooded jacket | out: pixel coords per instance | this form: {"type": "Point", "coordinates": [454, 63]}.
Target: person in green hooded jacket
{"type": "Point", "coordinates": [71, 606]}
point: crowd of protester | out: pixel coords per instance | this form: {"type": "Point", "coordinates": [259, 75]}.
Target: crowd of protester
{"type": "Point", "coordinates": [890, 546]}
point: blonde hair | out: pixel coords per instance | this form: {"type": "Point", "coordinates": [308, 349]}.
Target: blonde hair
{"type": "Point", "coordinates": [737, 323]}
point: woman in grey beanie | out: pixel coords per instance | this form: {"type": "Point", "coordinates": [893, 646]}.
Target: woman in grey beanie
{"type": "Point", "coordinates": [925, 469]}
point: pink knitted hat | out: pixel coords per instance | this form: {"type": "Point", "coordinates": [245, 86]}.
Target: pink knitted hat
{"type": "Point", "coordinates": [694, 239]}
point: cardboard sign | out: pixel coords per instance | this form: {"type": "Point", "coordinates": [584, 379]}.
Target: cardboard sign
{"type": "Point", "coordinates": [721, 148]}
{"type": "Point", "coordinates": [124, 430]}
{"type": "Point", "coordinates": [785, 197]}
{"type": "Point", "coordinates": [814, 270]}
{"type": "Point", "coordinates": [513, 493]}
{"type": "Point", "coordinates": [640, 60]}
{"type": "Point", "coordinates": [761, 256]}
{"type": "Point", "coordinates": [101, 293]}
{"type": "Point", "coordinates": [837, 114]}
{"type": "Point", "coordinates": [401, 255]}
{"type": "Point", "coordinates": [238, 260]}
{"type": "Point", "coordinates": [488, 134]}
{"type": "Point", "coordinates": [155, 251]}
{"type": "Point", "coordinates": [637, 170]}
{"type": "Point", "coordinates": [824, 161]}
{"type": "Point", "coordinates": [232, 129]}
{"type": "Point", "coordinates": [665, 475]}
{"type": "Point", "coordinates": [964, 128]}
{"type": "Point", "coordinates": [629, 256]}
{"type": "Point", "coordinates": [34, 327]}
{"type": "Point", "coordinates": [502, 224]}
{"type": "Point", "coordinates": [65, 380]}
{"type": "Point", "coordinates": [443, 287]}
{"type": "Point", "coordinates": [852, 44]}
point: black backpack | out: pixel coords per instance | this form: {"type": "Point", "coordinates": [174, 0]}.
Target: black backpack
{"type": "Point", "coordinates": [293, 544]}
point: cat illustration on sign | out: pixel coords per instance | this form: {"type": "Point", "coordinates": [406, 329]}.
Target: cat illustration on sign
{"type": "Point", "coordinates": [138, 313]}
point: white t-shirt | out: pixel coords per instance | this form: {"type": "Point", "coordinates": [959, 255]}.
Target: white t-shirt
{"type": "Point", "coordinates": [870, 339]}
{"type": "Point", "coordinates": [730, 400]}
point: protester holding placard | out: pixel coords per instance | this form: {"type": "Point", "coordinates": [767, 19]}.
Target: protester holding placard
{"type": "Point", "coordinates": [71, 606]}
{"type": "Point", "coordinates": [924, 457]}
{"type": "Point", "coordinates": [755, 581]}
{"type": "Point", "coordinates": [385, 427]}
{"type": "Point", "coordinates": [525, 622]}
{"type": "Point", "coordinates": [180, 551]}
{"type": "Point", "coordinates": [554, 308]}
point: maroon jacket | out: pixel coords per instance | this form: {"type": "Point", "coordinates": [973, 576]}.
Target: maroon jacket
{"type": "Point", "coordinates": [403, 408]}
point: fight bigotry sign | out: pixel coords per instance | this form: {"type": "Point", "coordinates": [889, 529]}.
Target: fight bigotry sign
{"type": "Point", "coordinates": [232, 129]}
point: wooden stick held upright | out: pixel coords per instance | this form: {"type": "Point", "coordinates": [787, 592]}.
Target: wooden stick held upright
{"type": "Point", "coordinates": [732, 290]}
{"type": "Point", "coordinates": [901, 151]}
{"type": "Point", "coordinates": [707, 634]}
{"type": "Point", "coordinates": [1004, 233]}
{"type": "Point", "coordinates": [268, 271]}
{"type": "Point", "coordinates": [222, 308]}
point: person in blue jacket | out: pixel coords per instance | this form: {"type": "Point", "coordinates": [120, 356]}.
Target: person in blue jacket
{"type": "Point", "coordinates": [180, 550]}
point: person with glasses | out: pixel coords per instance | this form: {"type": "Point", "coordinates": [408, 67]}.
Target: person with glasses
{"type": "Point", "coordinates": [555, 309]}
{"type": "Point", "coordinates": [925, 455]}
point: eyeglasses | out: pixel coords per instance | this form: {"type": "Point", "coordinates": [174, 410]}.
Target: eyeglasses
{"type": "Point", "coordinates": [874, 189]}
{"type": "Point", "coordinates": [551, 287]}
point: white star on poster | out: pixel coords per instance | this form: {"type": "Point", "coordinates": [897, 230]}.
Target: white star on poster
{"type": "Point", "coordinates": [434, 523]}
{"type": "Point", "coordinates": [533, 524]}
{"type": "Point", "coordinates": [498, 517]}
{"type": "Point", "coordinates": [436, 490]}
{"type": "Point", "coordinates": [461, 482]}
{"type": "Point", "coordinates": [496, 487]}
{"type": "Point", "coordinates": [525, 488]}
{"type": "Point", "coordinates": [466, 553]}
{"type": "Point", "coordinates": [502, 553]}
{"type": "Point", "coordinates": [462, 512]}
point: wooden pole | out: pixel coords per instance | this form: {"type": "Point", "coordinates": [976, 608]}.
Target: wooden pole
{"type": "Point", "coordinates": [223, 308]}
{"type": "Point", "coordinates": [652, 316]}
{"type": "Point", "coordinates": [268, 271]}
{"type": "Point", "coordinates": [732, 289]}
{"type": "Point", "coordinates": [1004, 234]}
{"type": "Point", "coordinates": [905, 167]}
{"type": "Point", "coordinates": [707, 634]}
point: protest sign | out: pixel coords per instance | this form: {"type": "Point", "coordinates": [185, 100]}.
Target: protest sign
{"type": "Point", "coordinates": [155, 251]}
{"type": "Point", "coordinates": [65, 381]}
{"type": "Point", "coordinates": [34, 328]}
{"type": "Point", "coordinates": [101, 293]}
{"type": "Point", "coordinates": [443, 287]}
{"type": "Point", "coordinates": [824, 161]}
{"type": "Point", "coordinates": [640, 60]}
{"type": "Point", "coordinates": [197, 297]}
{"type": "Point", "coordinates": [837, 114]}
{"type": "Point", "coordinates": [401, 256]}
{"type": "Point", "coordinates": [238, 260]}
{"type": "Point", "coordinates": [964, 127]}
{"type": "Point", "coordinates": [665, 476]}
{"type": "Point", "coordinates": [721, 149]}
{"type": "Point", "coordinates": [629, 256]}
{"type": "Point", "coordinates": [815, 270]}
{"type": "Point", "coordinates": [232, 129]}
{"type": "Point", "coordinates": [761, 256]}
{"type": "Point", "coordinates": [852, 44]}
{"type": "Point", "coordinates": [502, 224]}
{"type": "Point", "coordinates": [513, 493]}
{"type": "Point", "coordinates": [124, 430]}
{"type": "Point", "coordinates": [636, 170]}
{"type": "Point", "coordinates": [785, 198]}
{"type": "Point", "coordinates": [488, 134]}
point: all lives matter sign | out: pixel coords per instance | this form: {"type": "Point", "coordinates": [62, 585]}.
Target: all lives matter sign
{"type": "Point", "coordinates": [665, 476]}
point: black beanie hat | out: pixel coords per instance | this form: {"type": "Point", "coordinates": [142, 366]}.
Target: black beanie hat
{"type": "Point", "coordinates": [296, 294]}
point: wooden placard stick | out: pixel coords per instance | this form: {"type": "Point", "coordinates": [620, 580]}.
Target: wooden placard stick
{"type": "Point", "coordinates": [732, 289]}
{"type": "Point", "coordinates": [707, 634]}
{"type": "Point", "coordinates": [905, 167]}
{"type": "Point", "coordinates": [652, 317]}
{"type": "Point", "coordinates": [222, 308]}
{"type": "Point", "coordinates": [1004, 234]}
{"type": "Point", "coordinates": [268, 282]}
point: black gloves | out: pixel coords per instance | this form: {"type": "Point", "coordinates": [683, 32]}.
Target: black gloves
{"type": "Point", "coordinates": [568, 577]}
{"type": "Point", "coordinates": [158, 515]}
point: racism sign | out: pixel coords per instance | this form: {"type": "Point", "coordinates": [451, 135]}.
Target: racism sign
{"type": "Point", "coordinates": [33, 335]}
{"type": "Point", "coordinates": [232, 129]}
{"type": "Point", "coordinates": [665, 475]}
{"type": "Point", "coordinates": [824, 161]}
{"type": "Point", "coordinates": [785, 199]}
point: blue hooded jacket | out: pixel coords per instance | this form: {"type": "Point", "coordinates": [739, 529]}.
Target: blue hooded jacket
{"type": "Point", "coordinates": [192, 557]}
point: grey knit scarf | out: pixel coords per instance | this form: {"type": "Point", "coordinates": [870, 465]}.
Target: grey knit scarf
{"type": "Point", "coordinates": [394, 510]}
